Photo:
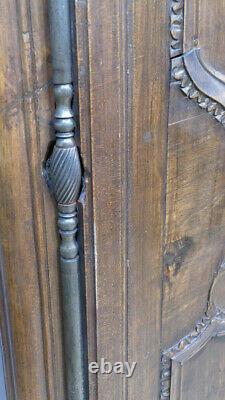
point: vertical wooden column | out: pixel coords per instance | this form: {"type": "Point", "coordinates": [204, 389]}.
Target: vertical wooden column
{"type": "Point", "coordinates": [123, 107]}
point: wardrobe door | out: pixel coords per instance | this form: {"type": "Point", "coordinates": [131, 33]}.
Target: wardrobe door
{"type": "Point", "coordinates": [137, 99]}
{"type": "Point", "coordinates": [151, 103]}
{"type": "Point", "coordinates": [123, 76]}
{"type": "Point", "coordinates": [193, 363]}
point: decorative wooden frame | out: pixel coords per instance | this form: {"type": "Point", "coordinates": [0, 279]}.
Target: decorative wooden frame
{"type": "Point", "coordinates": [177, 27]}
{"type": "Point", "coordinates": [211, 325]}
{"type": "Point", "coordinates": [198, 81]}
{"type": "Point", "coordinates": [206, 86]}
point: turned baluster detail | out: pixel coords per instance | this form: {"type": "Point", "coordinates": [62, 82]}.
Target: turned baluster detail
{"type": "Point", "coordinates": [64, 170]}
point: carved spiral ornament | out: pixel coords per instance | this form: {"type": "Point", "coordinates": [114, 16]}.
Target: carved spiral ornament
{"type": "Point", "coordinates": [65, 173]}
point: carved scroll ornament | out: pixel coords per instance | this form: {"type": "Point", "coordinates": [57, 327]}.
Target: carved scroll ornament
{"type": "Point", "coordinates": [176, 29]}
{"type": "Point", "coordinates": [211, 325]}
{"type": "Point", "coordinates": [198, 81]}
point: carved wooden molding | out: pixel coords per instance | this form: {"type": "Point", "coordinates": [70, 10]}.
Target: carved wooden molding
{"type": "Point", "coordinates": [65, 177]}
{"type": "Point", "coordinates": [202, 84]}
{"type": "Point", "coordinates": [199, 85]}
{"type": "Point", "coordinates": [176, 28]}
{"type": "Point", "coordinates": [198, 81]}
{"type": "Point", "coordinates": [211, 325]}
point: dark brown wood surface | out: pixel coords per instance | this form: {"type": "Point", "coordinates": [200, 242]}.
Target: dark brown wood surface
{"type": "Point", "coordinates": [153, 219]}
{"type": "Point", "coordinates": [80, 16]}
{"type": "Point", "coordinates": [107, 98]}
{"type": "Point", "coordinates": [127, 83]}
{"type": "Point", "coordinates": [27, 220]}
{"type": "Point", "coordinates": [148, 67]}
{"type": "Point", "coordinates": [194, 224]}
{"type": "Point", "coordinates": [195, 214]}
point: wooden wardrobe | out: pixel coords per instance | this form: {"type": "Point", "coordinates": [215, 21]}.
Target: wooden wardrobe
{"type": "Point", "coordinates": [148, 108]}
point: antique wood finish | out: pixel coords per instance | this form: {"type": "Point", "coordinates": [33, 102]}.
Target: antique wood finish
{"type": "Point", "coordinates": [150, 79]}
{"type": "Point", "coordinates": [121, 91]}
{"type": "Point", "coordinates": [174, 360]}
{"type": "Point", "coordinates": [27, 221]}
{"type": "Point", "coordinates": [194, 241]}
{"type": "Point", "coordinates": [148, 67]}
{"type": "Point", "coordinates": [107, 99]}
{"type": "Point", "coordinates": [7, 369]}
{"type": "Point", "coordinates": [63, 170]}
{"type": "Point", "coordinates": [80, 16]}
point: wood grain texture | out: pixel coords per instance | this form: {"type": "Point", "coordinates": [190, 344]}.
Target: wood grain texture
{"type": "Point", "coordinates": [25, 207]}
{"type": "Point", "coordinates": [195, 377]}
{"type": "Point", "coordinates": [203, 28]}
{"type": "Point", "coordinates": [211, 33]}
{"type": "Point", "coordinates": [128, 139]}
{"type": "Point", "coordinates": [147, 134]}
{"type": "Point", "coordinates": [195, 214]}
{"type": "Point", "coordinates": [194, 234]}
{"type": "Point", "coordinates": [106, 63]}
{"type": "Point", "coordinates": [153, 214]}
{"type": "Point", "coordinates": [195, 181]}
{"type": "Point", "coordinates": [6, 338]}
{"type": "Point", "coordinates": [86, 153]}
